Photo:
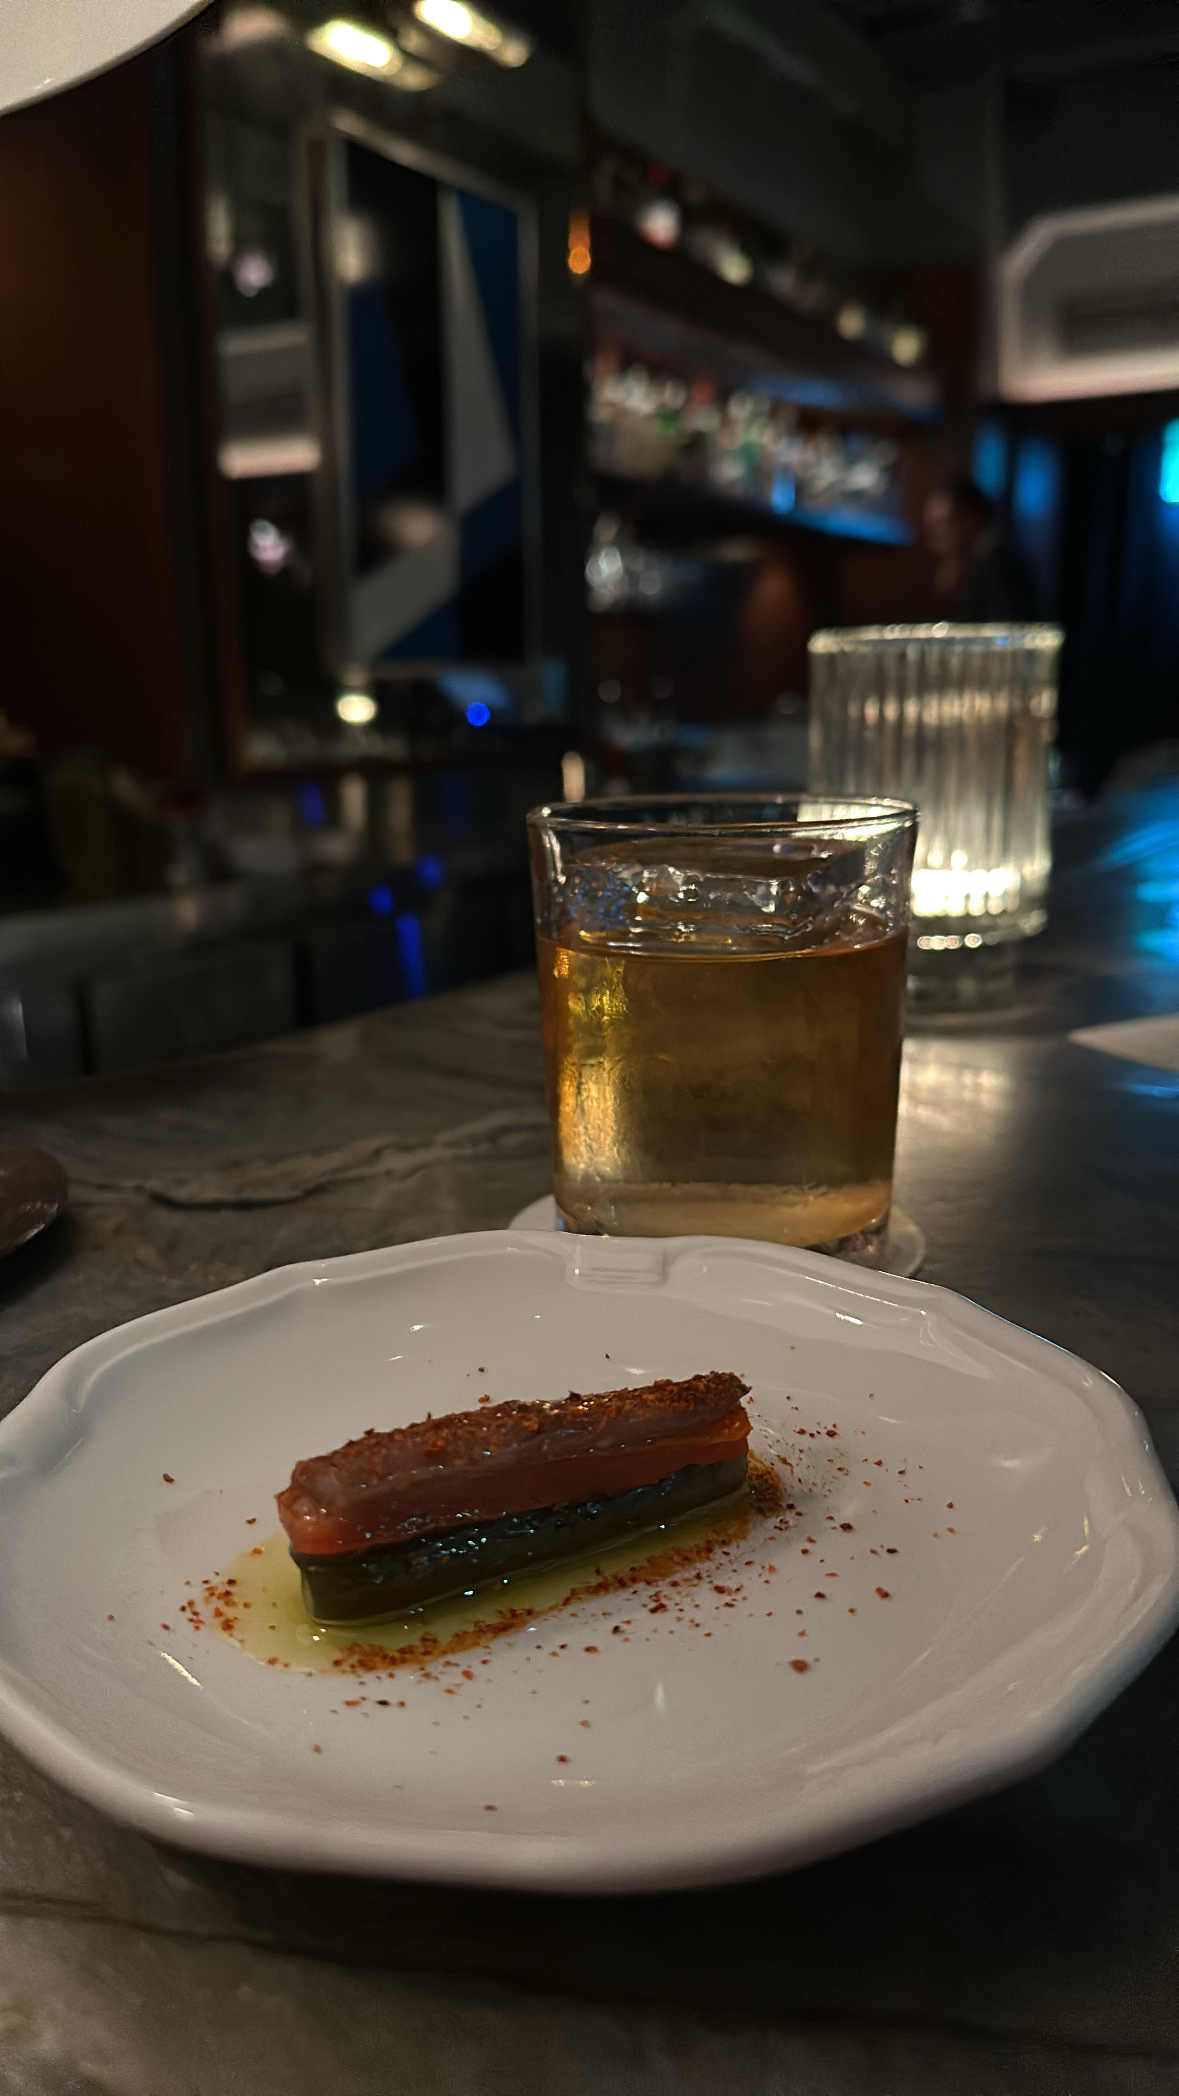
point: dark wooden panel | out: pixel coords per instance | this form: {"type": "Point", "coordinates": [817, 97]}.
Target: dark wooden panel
{"type": "Point", "coordinates": [90, 619]}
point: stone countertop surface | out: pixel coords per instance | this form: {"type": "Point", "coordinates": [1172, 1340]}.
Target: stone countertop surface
{"type": "Point", "coordinates": [1027, 1945]}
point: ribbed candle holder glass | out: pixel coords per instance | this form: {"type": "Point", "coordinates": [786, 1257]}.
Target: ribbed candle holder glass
{"type": "Point", "coordinates": [961, 720]}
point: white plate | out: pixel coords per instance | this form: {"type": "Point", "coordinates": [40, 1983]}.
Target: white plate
{"type": "Point", "coordinates": [1010, 1619]}
{"type": "Point", "coordinates": [903, 1250]}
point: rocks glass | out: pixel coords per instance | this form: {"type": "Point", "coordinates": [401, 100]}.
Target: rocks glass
{"type": "Point", "coordinates": [722, 982]}
{"type": "Point", "coordinates": [960, 720]}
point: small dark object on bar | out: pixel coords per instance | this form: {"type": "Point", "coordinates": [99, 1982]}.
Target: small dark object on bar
{"type": "Point", "coordinates": [392, 1521]}
{"type": "Point", "coordinates": [33, 1189]}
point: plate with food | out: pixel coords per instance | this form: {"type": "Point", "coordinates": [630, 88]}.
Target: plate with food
{"type": "Point", "coordinates": [570, 1563]}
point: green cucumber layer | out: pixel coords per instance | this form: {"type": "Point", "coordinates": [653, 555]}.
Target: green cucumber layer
{"type": "Point", "coordinates": [395, 1578]}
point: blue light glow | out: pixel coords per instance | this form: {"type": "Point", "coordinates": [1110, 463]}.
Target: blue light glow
{"type": "Point", "coordinates": [857, 524]}
{"type": "Point", "coordinates": [1169, 464]}
{"type": "Point", "coordinates": [431, 872]}
{"type": "Point", "coordinates": [478, 714]}
{"type": "Point", "coordinates": [310, 799]}
{"type": "Point", "coordinates": [1163, 943]}
{"type": "Point", "coordinates": [1035, 492]}
{"type": "Point", "coordinates": [380, 900]}
{"type": "Point", "coordinates": [1151, 843]}
{"type": "Point", "coordinates": [413, 959]}
{"type": "Point", "coordinates": [469, 687]}
{"type": "Point", "coordinates": [990, 459]}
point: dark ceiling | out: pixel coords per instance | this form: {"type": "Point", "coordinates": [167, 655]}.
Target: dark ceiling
{"type": "Point", "coordinates": [935, 43]}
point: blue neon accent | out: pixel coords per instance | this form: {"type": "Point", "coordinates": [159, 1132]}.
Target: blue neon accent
{"type": "Point", "coordinates": [856, 524]}
{"type": "Point", "coordinates": [431, 872]}
{"type": "Point", "coordinates": [1169, 464]}
{"type": "Point", "coordinates": [838, 393]}
{"type": "Point", "coordinates": [311, 807]}
{"type": "Point", "coordinates": [1163, 942]}
{"type": "Point", "coordinates": [1151, 842]}
{"type": "Point", "coordinates": [991, 459]}
{"type": "Point", "coordinates": [380, 900]}
{"type": "Point", "coordinates": [475, 687]}
{"type": "Point", "coordinates": [413, 959]}
{"type": "Point", "coordinates": [478, 714]}
{"type": "Point", "coordinates": [783, 494]}
{"type": "Point", "coordinates": [1035, 490]}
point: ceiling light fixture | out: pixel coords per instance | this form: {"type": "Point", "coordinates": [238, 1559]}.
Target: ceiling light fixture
{"type": "Point", "coordinates": [907, 344]}
{"type": "Point", "coordinates": [361, 50]}
{"type": "Point", "coordinates": [658, 220]}
{"type": "Point", "coordinates": [464, 25]}
{"type": "Point", "coordinates": [356, 709]}
{"type": "Point", "coordinates": [243, 26]}
{"type": "Point", "coordinates": [732, 263]}
{"type": "Point", "coordinates": [413, 78]}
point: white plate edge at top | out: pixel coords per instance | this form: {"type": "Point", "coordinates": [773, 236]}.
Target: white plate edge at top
{"type": "Point", "coordinates": [904, 1243]}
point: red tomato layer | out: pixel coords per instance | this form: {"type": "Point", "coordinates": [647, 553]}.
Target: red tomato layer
{"type": "Point", "coordinates": [456, 1500]}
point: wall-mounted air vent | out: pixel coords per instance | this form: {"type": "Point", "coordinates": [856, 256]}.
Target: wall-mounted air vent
{"type": "Point", "coordinates": [1088, 303]}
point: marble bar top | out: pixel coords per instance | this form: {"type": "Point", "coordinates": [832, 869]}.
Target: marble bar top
{"type": "Point", "coordinates": [1024, 1946]}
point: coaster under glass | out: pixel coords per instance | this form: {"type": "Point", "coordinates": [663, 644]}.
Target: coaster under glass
{"type": "Point", "coordinates": [899, 1249]}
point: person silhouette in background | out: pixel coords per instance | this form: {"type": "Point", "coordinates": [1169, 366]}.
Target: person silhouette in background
{"type": "Point", "coordinates": [977, 577]}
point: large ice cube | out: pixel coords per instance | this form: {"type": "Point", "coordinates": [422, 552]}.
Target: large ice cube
{"type": "Point", "coordinates": [715, 894]}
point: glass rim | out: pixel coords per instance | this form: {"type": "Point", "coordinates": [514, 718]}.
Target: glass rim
{"type": "Point", "coordinates": [1019, 633]}
{"type": "Point", "coordinates": [607, 814]}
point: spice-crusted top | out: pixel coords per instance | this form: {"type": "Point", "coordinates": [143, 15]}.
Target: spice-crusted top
{"type": "Point", "coordinates": [497, 1437]}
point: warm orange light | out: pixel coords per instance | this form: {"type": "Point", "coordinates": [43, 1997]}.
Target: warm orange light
{"type": "Point", "coordinates": [579, 257]}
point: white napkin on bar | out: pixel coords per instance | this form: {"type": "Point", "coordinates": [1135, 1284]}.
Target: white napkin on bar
{"type": "Point", "coordinates": [1151, 1041]}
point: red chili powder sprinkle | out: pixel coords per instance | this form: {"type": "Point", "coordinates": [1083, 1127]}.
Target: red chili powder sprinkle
{"type": "Point", "coordinates": [800, 1666]}
{"type": "Point", "coordinates": [167, 1480]}
{"type": "Point", "coordinates": [884, 1593]}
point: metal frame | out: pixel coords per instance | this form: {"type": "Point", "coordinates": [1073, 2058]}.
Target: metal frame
{"type": "Point", "coordinates": [1032, 364]}
{"type": "Point", "coordinates": [335, 509]}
